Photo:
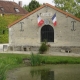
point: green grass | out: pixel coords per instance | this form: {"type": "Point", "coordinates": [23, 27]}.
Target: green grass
{"type": "Point", "coordinates": [10, 61]}
{"type": "Point", "coordinates": [35, 59]}
{"type": "Point", "coordinates": [60, 60]}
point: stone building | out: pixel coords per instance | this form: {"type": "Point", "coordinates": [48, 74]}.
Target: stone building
{"type": "Point", "coordinates": [25, 34]}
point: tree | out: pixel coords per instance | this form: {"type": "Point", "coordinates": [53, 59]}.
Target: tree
{"type": "Point", "coordinates": [71, 6]}
{"type": "Point", "coordinates": [26, 7]}
{"type": "Point", "coordinates": [32, 5]}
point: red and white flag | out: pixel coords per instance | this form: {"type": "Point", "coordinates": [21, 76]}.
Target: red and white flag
{"type": "Point", "coordinates": [54, 20]}
{"type": "Point", "coordinates": [40, 21]}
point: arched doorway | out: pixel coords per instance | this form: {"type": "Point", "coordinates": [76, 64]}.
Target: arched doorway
{"type": "Point", "coordinates": [47, 33]}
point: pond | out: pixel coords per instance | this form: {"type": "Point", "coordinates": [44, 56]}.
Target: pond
{"type": "Point", "coordinates": [46, 72]}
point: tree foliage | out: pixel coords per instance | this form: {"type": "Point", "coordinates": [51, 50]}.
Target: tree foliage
{"type": "Point", "coordinates": [71, 6]}
{"type": "Point", "coordinates": [32, 5]}
{"type": "Point", "coordinates": [26, 7]}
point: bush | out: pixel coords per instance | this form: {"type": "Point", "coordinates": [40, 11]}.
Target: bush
{"type": "Point", "coordinates": [4, 22]}
{"type": "Point", "coordinates": [43, 48]}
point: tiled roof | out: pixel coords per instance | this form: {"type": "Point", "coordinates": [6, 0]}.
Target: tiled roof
{"type": "Point", "coordinates": [9, 8]}
{"type": "Point", "coordinates": [46, 4]}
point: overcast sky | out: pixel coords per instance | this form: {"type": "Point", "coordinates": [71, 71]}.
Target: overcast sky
{"type": "Point", "coordinates": [40, 1]}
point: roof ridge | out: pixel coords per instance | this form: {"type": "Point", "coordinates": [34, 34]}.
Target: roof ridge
{"type": "Point", "coordinates": [7, 1]}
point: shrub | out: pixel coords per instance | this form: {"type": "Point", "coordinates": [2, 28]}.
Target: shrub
{"type": "Point", "coordinates": [43, 48]}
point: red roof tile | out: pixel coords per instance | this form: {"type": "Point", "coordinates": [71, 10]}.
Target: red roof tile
{"type": "Point", "coordinates": [57, 9]}
{"type": "Point", "coordinates": [9, 8]}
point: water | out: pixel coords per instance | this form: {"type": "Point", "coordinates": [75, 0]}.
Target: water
{"type": "Point", "coordinates": [46, 72]}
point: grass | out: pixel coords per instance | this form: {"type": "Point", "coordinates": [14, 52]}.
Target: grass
{"type": "Point", "coordinates": [35, 60]}
{"type": "Point", "coordinates": [60, 60]}
{"type": "Point", "coordinates": [10, 61]}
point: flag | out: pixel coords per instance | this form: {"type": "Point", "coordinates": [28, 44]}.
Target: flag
{"type": "Point", "coordinates": [54, 20]}
{"type": "Point", "coordinates": [40, 21]}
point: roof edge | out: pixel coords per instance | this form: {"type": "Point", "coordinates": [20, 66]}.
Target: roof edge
{"type": "Point", "coordinates": [28, 14]}
{"type": "Point", "coordinates": [64, 12]}
{"type": "Point", "coordinates": [45, 4]}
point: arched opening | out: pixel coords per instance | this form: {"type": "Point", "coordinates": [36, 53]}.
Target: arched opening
{"type": "Point", "coordinates": [47, 33]}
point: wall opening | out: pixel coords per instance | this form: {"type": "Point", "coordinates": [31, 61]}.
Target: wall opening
{"type": "Point", "coordinates": [25, 49]}
{"type": "Point", "coordinates": [47, 33]}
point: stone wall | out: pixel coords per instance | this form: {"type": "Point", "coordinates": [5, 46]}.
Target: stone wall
{"type": "Point", "coordinates": [30, 34]}
{"type": "Point", "coordinates": [62, 49]}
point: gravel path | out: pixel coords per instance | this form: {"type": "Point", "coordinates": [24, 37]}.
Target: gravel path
{"type": "Point", "coordinates": [53, 53]}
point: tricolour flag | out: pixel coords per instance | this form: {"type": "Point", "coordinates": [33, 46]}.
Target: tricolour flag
{"type": "Point", "coordinates": [54, 20]}
{"type": "Point", "coordinates": [40, 21]}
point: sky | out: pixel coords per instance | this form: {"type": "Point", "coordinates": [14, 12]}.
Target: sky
{"type": "Point", "coordinates": [26, 2]}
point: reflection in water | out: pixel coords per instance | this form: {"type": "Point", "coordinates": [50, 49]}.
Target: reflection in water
{"type": "Point", "coordinates": [46, 74]}
{"type": "Point", "coordinates": [35, 72]}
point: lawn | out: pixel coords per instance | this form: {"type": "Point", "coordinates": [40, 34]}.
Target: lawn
{"type": "Point", "coordinates": [9, 61]}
